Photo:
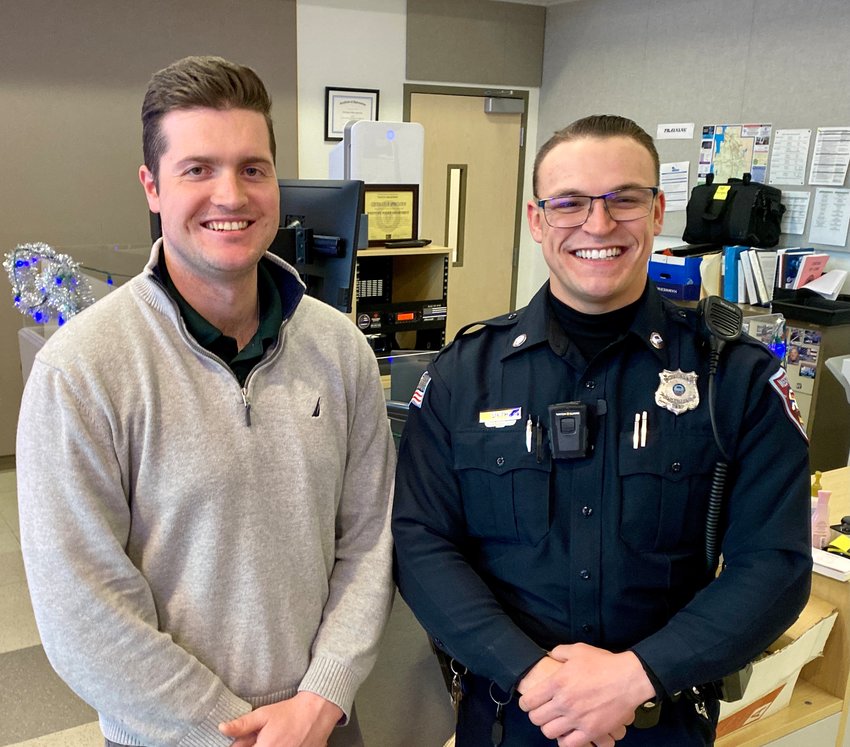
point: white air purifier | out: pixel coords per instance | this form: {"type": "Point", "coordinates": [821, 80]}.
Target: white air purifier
{"type": "Point", "coordinates": [380, 153]}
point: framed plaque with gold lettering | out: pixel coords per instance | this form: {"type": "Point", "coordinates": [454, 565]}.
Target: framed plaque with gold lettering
{"type": "Point", "coordinates": [393, 211]}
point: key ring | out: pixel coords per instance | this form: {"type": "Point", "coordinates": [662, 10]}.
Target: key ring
{"type": "Point", "coordinates": [499, 703]}
{"type": "Point", "coordinates": [454, 671]}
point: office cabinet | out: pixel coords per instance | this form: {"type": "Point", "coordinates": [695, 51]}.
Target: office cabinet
{"type": "Point", "coordinates": [818, 393]}
{"type": "Point", "coordinates": [820, 396]}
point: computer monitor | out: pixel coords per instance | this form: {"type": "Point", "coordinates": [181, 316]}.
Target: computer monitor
{"type": "Point", "coordinates": [318, 235]}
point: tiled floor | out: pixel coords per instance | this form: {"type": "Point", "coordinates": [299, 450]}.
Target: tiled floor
{"type": "Point", "coordinates": [36, 708]}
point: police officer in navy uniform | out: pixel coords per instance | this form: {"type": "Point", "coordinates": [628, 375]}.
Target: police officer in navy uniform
{"type": "Point", "coordinates": [555, 475]}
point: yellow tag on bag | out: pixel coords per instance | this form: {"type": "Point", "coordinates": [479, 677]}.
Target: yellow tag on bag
{"type": "Point", "coordinates": [722, 192]}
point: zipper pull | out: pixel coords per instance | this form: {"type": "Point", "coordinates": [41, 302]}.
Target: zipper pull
{"type": "Point", "coordinates": [247, 404]}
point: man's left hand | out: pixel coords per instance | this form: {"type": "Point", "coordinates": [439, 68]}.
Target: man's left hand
{"type": "Point", "coordinates": [305, 720]}
{"type": "Point", "coordinates": [590, 698]}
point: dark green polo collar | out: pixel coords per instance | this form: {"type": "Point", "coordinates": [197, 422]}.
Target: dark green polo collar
{"type": "Point", "coordinates": [211, 338]}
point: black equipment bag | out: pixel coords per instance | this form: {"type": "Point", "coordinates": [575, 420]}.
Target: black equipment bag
{"type": "Point", "coordinates": [740, 212]}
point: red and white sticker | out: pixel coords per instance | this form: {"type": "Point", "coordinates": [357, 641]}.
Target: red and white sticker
{"type": "Point", "coordinates": [779, 381]}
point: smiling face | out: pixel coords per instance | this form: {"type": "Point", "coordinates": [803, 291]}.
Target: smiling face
{"type": "Point", "coordinates": [602, 265]}
{"type": "Point", "coordinates": [216, 193]}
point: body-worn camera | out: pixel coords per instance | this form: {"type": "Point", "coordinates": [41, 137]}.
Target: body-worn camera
{"type": "Point", "coordinates": [568, 430]}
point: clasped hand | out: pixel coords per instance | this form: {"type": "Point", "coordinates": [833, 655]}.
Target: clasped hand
{"type": "Point", "coordinates": [581, 695]}
{"type": "Point", "coordinates": [305, 720]}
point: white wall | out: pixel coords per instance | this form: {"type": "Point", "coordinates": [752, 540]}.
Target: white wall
{"type": "Point", "coordinates": [353, 47]}
{"type": "Point", "coordinates": [342, 46]}
{"type": "Point", "coordinates": [532, 271]}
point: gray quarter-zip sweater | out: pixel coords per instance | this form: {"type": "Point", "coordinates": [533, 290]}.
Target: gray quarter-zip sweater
{"type": "Point", "coordinates": [187, 563]}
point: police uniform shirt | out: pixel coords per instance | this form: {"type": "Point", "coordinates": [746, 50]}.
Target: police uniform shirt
{"type": "Point", "coordinates": [503, 552]}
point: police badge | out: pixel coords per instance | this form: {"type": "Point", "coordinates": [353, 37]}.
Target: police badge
{"type": "Point", "coordinates": [677, 391]}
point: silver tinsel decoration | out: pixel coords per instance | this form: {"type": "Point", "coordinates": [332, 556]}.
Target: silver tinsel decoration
{"type": "Point", "coordinates": [46, 285]}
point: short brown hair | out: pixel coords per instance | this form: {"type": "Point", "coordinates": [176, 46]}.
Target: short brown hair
{"type": "Point", "coordinates": [199, 82]}
{"type": "Point", "coordinates": [598, 126]}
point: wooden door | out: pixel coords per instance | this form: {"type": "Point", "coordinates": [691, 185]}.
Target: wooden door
{"type": "Point", "coordinates": [470, 199]}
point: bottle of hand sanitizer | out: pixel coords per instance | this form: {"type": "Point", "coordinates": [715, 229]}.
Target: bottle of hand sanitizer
{"type": "Point", "coordinates": [820, 521]}
{"type": "Point", "coordinates": [815, 488]}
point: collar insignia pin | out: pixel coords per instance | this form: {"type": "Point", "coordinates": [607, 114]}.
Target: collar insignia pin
{"type": "Point", "coordinates": [677, 391]}
{"type": "Point", "coordinates": [519, 340]}
{"type": "Point", "coordinates": [656, 340]}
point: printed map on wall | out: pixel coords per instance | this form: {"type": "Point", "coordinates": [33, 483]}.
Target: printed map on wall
{"type": "Point", "coordinates": [730, 150]}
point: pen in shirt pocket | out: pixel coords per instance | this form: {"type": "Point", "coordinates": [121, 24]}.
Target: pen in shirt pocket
{"type": "Point", "coordinates": [640, 430]}
{"type": "Point", "coordinates": [539, 440]}
{"type": "Point", "coordinates": [534, 435]}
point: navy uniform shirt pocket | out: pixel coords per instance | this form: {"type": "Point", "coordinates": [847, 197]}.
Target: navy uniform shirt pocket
{"type": "Point", "coordinates": [505, 489]}
{"type": "Point", "coordinates": [664, 490]}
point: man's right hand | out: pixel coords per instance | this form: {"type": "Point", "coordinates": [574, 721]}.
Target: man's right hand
{"type": "Point", "coordinates": [305, 720]}
{"type": "Point", "coordinates": [582, 694]}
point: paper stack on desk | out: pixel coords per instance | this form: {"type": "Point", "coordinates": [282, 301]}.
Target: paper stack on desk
{"type": "Point", "coordinates": [829, 564]}
{"type": "Point", "coordinates": [828, 285]}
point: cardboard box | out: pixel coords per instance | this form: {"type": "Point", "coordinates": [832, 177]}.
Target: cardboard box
{"type": "Point", "coordinates": [775, 674]}
{"type": "Point", "coordinates": [676, 277]}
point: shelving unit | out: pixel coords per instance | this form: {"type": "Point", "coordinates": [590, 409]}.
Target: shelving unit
{"type": "Point", "coordinates": [400, 297]}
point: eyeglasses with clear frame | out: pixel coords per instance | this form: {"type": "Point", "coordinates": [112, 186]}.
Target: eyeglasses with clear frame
{"type": "Point", "coordinates": [570, 211]}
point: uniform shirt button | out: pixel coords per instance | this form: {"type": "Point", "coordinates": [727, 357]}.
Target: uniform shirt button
{"type": "Point", "coordinates": [587, 628]}
{"type": "Point", "coordinates": [676, 467]}
{"type": "Point", "coordinates": [585, 574]}
{"type": "Point", "coordinates": [500, 461]}
{"type": "Point", "coordinates": [590, 385]}
{"type": "Point", "coordinates": [512, 315]}
{"type": "Point", "coordinates": [587, 511]}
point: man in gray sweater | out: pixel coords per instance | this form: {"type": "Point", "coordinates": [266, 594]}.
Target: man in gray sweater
{"type": "Point", "coordinates": [204, 461]}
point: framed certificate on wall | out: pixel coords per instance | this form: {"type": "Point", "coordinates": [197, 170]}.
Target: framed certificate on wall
{"type": "Point", "coordinates": [348, 104]}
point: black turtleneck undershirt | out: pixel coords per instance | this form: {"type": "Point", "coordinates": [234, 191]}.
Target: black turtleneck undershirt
{"type": "Point", "coordinates": [591, 333]}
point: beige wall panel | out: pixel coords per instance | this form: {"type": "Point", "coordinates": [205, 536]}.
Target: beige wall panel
{"type": "Point", "coordinates": [72, 77]}
{"type": "Point", "coordinates": [475, 41]}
